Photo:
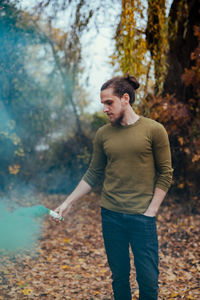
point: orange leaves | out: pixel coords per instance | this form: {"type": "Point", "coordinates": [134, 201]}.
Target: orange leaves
{"type": "Point", "coordinates": [14, 169]}
{"type": "Point", "coordinates": [192, 76]}
{"type": "Point", "coordinates": [179, 260]}
{"type": "Point", "coordinates": [72, 264]}
{"type": "Point", "coordinates": [168, 111]}
{"type": "Point", "coordinates": [181, 185]}
{"type": "Point", "coordinates": [182, 124]}
{"type": "Point", "coordinates": [181, 141]}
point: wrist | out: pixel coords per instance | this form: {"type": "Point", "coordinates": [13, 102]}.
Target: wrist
{"type": "Point", "coordinates": [151, 211]}
{"type": "Point", "coordinates": [67, 202]}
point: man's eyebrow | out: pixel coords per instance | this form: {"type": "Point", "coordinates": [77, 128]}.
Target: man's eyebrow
{"type": "Point", "coordinates": [109, 99]}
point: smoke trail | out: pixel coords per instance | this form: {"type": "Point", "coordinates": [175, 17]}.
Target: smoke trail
{"type": "Point", "coordinates": [20, 229]}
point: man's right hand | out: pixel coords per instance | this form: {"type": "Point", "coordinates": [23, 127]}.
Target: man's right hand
{"type": "Point", "coordinates": [64, 208]}
{"type": "Point", "coordinates": [81, 190]}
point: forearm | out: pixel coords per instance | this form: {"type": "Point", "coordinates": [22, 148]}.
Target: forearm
{"type": "Point", "coordinates": [156, 201]}
{"type": "Point", "coordinates": [81, 190]}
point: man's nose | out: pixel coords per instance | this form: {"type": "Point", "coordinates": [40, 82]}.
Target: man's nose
{"type": "Point", "coordinates": [105, 109]}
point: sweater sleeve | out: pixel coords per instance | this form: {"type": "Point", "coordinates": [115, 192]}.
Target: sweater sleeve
{"type": "Point", "coordinates": [162, 157]}
{"type": "Point", "coordinates": [95, 172]}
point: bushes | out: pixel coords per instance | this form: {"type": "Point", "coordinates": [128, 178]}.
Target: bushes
{"type": "Point", "coordinates": [182, 128]}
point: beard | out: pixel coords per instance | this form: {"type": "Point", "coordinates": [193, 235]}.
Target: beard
{"type": "Point", "coordinates": [118, 120]}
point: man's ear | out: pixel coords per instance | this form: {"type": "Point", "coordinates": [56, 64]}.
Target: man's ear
{"type": "Point", "coordinates": [125, 98]}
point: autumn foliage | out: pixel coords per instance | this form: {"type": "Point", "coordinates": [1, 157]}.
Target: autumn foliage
{"type": "Point", "coordinates": [145, 48]}
{"type": "Point", "coordinates": [70, 262]}
{"type": "Point", "coordinates": [183, 133]}
{"type": "Point", "coordinates": [182, 121]}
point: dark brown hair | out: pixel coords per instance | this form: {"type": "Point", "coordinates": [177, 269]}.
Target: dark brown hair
{"type": "Point", "coordinates": [121, 85]}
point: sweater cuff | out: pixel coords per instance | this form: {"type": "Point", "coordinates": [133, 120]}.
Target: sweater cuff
{"type": "Point", "coordinates": [88, 180]}
{"type": "Point", "coordinates": [162, 187]}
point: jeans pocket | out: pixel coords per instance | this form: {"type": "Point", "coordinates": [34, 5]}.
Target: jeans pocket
{"type": "Point", "coordinates": [150, 218]}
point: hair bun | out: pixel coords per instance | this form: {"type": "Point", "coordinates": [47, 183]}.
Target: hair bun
{"type": "Point", "coordinates": [133, 81]}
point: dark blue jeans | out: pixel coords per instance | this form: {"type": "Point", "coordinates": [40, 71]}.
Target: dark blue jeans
{"type": "Point", "coordinates": [121, 230]}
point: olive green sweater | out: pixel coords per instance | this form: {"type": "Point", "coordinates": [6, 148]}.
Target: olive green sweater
{"type": "Point", "coordinates": [134, 159]}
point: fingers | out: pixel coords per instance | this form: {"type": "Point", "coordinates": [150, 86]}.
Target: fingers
{"type": "Point", "coordinates": [57, 209]}
{"type": "Point", "coordinates": [62, 210]}
{"type": "Point", "coordinates": [57, 220]}
{"type": "Point", "coordinates": [57, 214]}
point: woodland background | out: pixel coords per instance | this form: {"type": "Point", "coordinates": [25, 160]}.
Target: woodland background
{"type": "Point", "coordinates": [47, 128]}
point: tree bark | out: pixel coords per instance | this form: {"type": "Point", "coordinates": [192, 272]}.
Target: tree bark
{"type": "Point", "coordinates": [184, 14]}
{"type": "Point", "coordinates": [155, 38]}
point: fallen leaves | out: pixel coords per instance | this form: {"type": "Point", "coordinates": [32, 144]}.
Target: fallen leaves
{"type": "Point", "coordinates": [71, 261]}
{"type": "Point", "coordinates": [14, 169]}
{"type": "Point", "coordinates": [26, 291]}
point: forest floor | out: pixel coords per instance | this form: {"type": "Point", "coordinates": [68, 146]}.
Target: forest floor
{"type": "Point", "coordinates": [70, 261]}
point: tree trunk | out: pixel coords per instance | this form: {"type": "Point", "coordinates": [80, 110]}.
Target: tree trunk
{"type": "Point", "coordinates": [184, 14]}
{"type": "Point", "coordinates": [156, 37]}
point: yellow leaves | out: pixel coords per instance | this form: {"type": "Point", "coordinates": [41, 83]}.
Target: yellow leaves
{"type": "Point", "coordinates": [26, 291]}
{"type": "Point", "coordinates": [15, 139]}
{"type": "Point", "coordinates": [77, 266]}
{"type": "Point", "coordinates": [81, 260]}
{"type": "Point", "coordinates": [14, 169]}
{"type": "Point", "coordinates": [41, 251]}
{"type": "Point", "coordinates": [181, 141]}
{"type": "Point", "coordinates": [19, 152]}
{"type": "Point", "coordinates": [174, 295]}
{"type": "Point", "coordinates": [49, 258]}
{"type": "Point", "coordinates": [66, 240]}
{"type": "Point", "coordinates": [198, 269]}
{"type": "Point", "coordinates": [64, 267]}
{"type": "Point", "coordinates": [103, 270]}
{"type": "Point", "coordinates": [136, 294]}
{"type": "Point", "coordinates": [170, 276]}
{"type": "Point", "coordinates": [130, 40]}
{"type": "Point", "coordinates": [96, 292]}
{"type": "Point", "coordinates": [196, 157]}
{"type": "Point", "coordinates": [23, 285]}
{"type": "Point", "coordinates": [81, 271]}
{"type": "Point", "coordinates": [187, 150]}
{"type": "Point", "coordinates": [12, 136]}
{"type": "Point", "coordinates": [156, 33]}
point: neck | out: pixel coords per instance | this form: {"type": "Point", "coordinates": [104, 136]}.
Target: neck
{"type": "Point", "coordinates": [130, 117]}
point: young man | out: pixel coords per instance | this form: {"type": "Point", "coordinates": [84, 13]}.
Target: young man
{"type": "Point", "coordinates": [133, 155]}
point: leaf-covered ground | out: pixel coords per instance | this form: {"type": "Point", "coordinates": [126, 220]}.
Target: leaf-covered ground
{"type": "Point", "coordinates": [70, 262]}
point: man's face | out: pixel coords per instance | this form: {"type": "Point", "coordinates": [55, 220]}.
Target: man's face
{"type": "Point", "coordinates": [112, 106]}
